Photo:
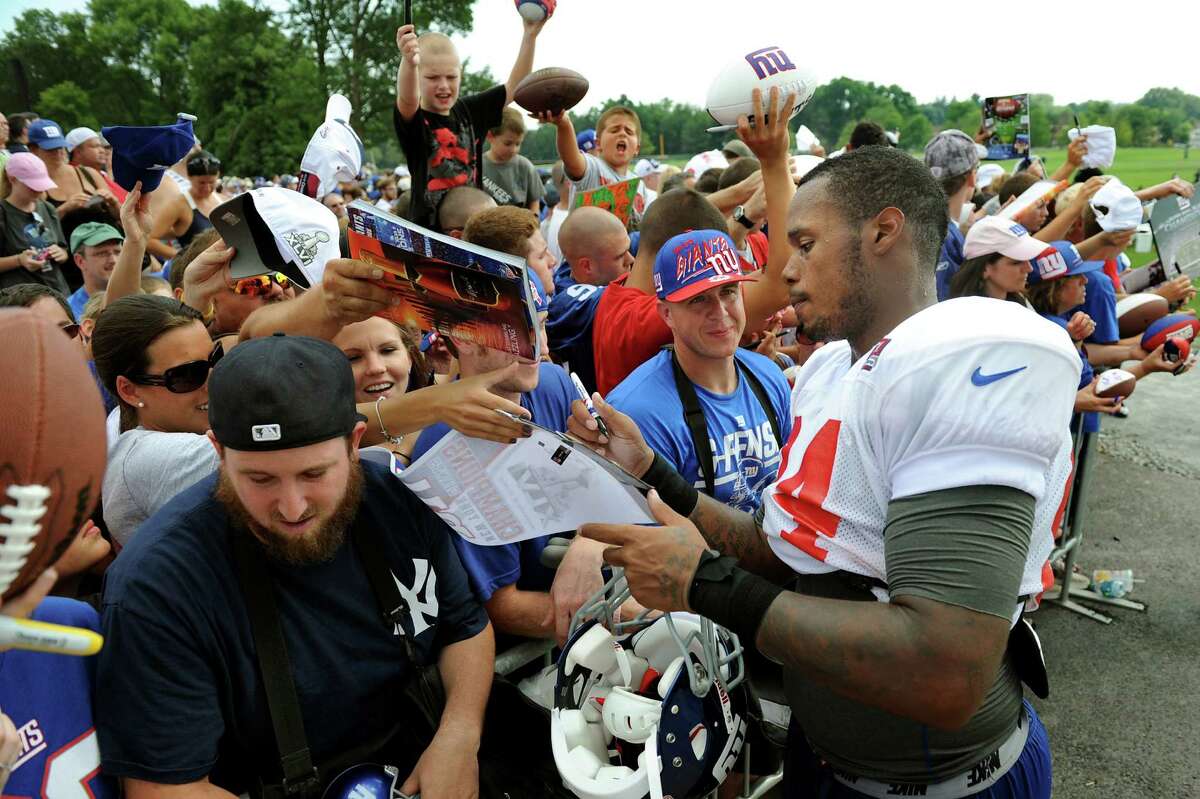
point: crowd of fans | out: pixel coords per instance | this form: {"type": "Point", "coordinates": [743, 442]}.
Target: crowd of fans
{"type": "Point", "coordinates": [692, 309]}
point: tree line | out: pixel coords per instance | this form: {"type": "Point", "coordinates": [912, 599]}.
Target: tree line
{"type": "Point", "coordinates": [258, 79]}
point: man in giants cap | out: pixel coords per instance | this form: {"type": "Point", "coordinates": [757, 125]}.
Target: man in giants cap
{"type": "Point", "coordinates": [298, 535]}
{"type": "Point", "coordinates": [741, 396]}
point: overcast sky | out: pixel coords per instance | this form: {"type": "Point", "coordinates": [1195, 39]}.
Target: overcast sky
{"type": "Point", "coordinates": [651, 49]}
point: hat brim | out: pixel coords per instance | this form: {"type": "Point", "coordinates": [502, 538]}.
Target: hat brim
{"type": "Point", "coordinates": [37, 184]}
{"type": "Point", "coordinates": [701, 286]}
{"type": "Point", "coordinates": [56, 143]}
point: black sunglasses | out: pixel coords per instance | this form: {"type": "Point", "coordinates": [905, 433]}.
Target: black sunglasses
{"type": "Point", "coordinates": [185, 378]}
{"type": "Point", "coordinates": [71, 329]}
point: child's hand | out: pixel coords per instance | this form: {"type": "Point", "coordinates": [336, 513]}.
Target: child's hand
{"type": "Point", "coordinates": [769, 141]}
{"type": "Point", "coordinates": [406, 43]}
{"type": "Point", "coordinates": [551, 118]}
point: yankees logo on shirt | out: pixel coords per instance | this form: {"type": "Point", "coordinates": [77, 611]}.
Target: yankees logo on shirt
{"type": "Point", "coordinates": [916, 422]}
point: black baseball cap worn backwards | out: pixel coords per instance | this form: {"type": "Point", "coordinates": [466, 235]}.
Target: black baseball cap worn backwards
{"type": "Point", "coordinates": [281, 392]}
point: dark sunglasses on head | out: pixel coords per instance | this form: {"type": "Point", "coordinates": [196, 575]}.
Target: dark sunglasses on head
{"type": "Point", "coordinates": [204, 165]}
{"type": "Point", "coordinates": [186, 377]}
{"type": "Point", "coordinates": [71, 329]}
{"type": "Point", "coordinates": [260, 284]}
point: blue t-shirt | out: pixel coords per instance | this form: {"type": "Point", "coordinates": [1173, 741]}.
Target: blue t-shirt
{"type": "Point", "coordinates": [182, 698]}
{"type": "Point", "coordinates": [745, 452]}
{"type": "Point", "coordinates": [950, 260]}
{"type": "Point", "coordinates": [77, 301]}
{"type": "Point", "coordinates": [569, 329]}
{"type": "Point", "coordinates": [492, 568]}
{"type": "Point", "coordinates": [49, 699]}
{"type": "Point", "coordinates": [1100, 303]}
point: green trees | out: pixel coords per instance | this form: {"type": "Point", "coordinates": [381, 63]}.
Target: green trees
{"type": "Point", "coordinates": [257, 80]}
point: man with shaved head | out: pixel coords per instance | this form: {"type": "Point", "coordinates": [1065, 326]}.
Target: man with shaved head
{"type": "Point", "coordinates": [596, 247]}
{"type": "Point", "coordinates": [459, 205]}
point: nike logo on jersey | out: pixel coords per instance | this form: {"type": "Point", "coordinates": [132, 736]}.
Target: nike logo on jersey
{"type": "Point", "coordinates": [980, 379]}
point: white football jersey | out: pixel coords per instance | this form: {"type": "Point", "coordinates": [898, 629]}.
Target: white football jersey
{"type": "Point", "coordinates": [971, 391]}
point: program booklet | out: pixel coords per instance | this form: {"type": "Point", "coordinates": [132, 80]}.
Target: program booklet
{"type": "Point", "coordinates": [495, 494]}
{"type": "Point", "coordinates": [447, 285]}
{"type": "Point", "coordinates": [622, 199]}
{"type": "Point", "coordinates": [1006, 120]}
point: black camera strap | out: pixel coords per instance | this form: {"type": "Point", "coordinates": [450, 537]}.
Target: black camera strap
{"type": "Point", "coordinates": [697, 424]}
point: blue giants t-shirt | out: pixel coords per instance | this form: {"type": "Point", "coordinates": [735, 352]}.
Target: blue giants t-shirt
{"type": "Point", "coordinates": [569, 329]}
{"type": "Point", "coordinates": [745, 452]}
{"type": "Point", "coordinates": [182, 698]}
{"type": "Point", "coordinates": [49, 699]}
{"type": "Point", "coordinates": [492, 568]}
{"type": "Point", "coordinates": [950, 260]}
{"type": "Point", "coordinates": [1090, 423]}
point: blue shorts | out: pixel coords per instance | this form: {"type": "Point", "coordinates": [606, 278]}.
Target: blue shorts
{"type": "Point", "coordinates": [805, 777]}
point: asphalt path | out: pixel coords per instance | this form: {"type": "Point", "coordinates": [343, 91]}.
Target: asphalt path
{"type": "Point", "coordinates": [1124, 707]}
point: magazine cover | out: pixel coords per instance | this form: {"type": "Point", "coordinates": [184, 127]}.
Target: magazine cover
{"type": "Point", "coordinates": [1006, 120]}
{"type": "Point", "coordinates": [620, 198]}
{"type": "Point", "coordinates": [445, 284]}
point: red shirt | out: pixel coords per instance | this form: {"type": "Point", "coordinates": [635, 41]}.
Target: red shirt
{"type": "Point", "coordinates": [1111, 269]}
{"type": "Point", "coordinates": [758, 249]}
{"type": "Point", "coordinates": [626, 333]}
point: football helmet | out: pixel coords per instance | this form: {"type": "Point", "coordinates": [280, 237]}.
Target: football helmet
{"type": "Point", "coordinates": [646, 707]}
{"type": "Point", "coordinates": [366, 781]}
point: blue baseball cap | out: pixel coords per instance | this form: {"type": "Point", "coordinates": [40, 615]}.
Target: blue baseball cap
{"type": "Point", "coordinates": [696, 261]}
{"type": "Point", "coordinates": [1060, 260]}
{"type": "Point", "coordinates": [47, 134]}
{"type": "Point", "coordinates": [145, 153]}
{"type": "Point", "coordinates": [587, 140]}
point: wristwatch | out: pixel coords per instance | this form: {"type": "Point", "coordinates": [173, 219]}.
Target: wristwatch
{"type": "Point", "coordinates": [739, 216]}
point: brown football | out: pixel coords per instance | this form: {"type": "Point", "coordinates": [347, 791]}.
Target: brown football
{"type": "Point", "coordinates": [1137, 312]}
{"type": "Point", "coordinates": [51, 435]}
{"type": "Point", "coordinates": [551, 89]}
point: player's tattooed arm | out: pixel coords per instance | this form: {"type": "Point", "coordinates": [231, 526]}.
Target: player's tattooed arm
{"type": "Point", "coordinates": [918, 658]}
{"type": "Point", "coordinates": [738, 534]}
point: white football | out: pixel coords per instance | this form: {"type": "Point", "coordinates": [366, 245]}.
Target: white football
{"type": "Point", "coordinates": [1115, 383]}
{"type": "Point", "coordinates": [731, 94]}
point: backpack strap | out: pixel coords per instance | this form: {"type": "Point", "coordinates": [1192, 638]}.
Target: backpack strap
{"type": "Point", "coordinates": [300, 778]}
{"type": "Point", "coordinates": [697, 424]}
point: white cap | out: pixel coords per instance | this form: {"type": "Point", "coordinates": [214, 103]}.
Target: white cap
{"type": "Point", "coordinates": [986, 173]}
{"type": "Point", "coordinates": [648, 166]}
{"type": "Point", "coordinates": [995, 234]}
{"type": "Point", "coordinates": [401, 171]}
{"type": "Point", "coordinates": [78, 136]}
{"type": "Point", "coordinates": [335, 152]}
{"type": "Point", "coordinates": [705, 161]}
{"type": "Point", "coordinates": [306, 232]}
{"type": "Point", "coordinates": [1116, 206]}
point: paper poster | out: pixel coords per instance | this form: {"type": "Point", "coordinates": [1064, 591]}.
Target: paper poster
{"type": "Point", "coordinates": [1175, 222]}
{"type": "Point", "coordinates": [622, 199]}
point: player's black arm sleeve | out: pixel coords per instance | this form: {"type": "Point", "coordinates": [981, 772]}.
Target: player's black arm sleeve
{"type": "Point", "coordinates": [955, 559]}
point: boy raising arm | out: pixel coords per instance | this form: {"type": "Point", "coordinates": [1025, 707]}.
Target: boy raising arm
{"type": "Point", "coordinates": [440, 133]}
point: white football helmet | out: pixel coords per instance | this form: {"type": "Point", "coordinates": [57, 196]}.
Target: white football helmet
{"type": "Point", "coordinates": [651, 708]}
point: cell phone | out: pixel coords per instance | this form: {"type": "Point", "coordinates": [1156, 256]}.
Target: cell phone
{"type": "Point", "coordinates": [44, 255]}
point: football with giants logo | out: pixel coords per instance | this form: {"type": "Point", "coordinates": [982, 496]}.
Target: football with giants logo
{"type": "Point", "coordinates": [731, 93]}
{"type": "Point", "coordinates": [52, 447]}
{"type": "Point", "coordinates": [1176, 325]}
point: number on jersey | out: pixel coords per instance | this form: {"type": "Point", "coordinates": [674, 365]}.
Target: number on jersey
{"type": "Point", "coordinates": [801, 494]}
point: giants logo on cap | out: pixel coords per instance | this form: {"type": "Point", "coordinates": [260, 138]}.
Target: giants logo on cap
{"type": "Point", "coordinates": [696, 257]}
{"type": "Point", "coordinates": [266, 432]}
{"type": "Point", "coordinates": [769, 61]}
{"type": "Point", "coordinates": [1050, 264]}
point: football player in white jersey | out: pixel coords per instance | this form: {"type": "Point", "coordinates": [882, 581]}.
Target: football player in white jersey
{"type": "Point", "coordinates": [911, 518]}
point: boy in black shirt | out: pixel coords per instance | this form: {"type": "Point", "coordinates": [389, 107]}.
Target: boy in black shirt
{"type": "Point", "coordinates": [441, 134]}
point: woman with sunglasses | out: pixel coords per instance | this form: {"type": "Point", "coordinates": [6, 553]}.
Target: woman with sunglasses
{"type": "Point", "coordinates": [204, 173]}
{"type": "Point", "coordinates": [154, 355]}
